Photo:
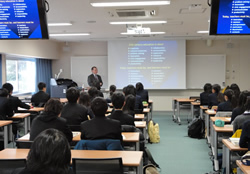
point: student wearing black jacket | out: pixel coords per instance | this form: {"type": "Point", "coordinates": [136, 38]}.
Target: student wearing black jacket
{"type": "Point", "coordinates": [5, 105]}
{"type": "Point", "coordinates": [204, 95]}
{"type": "Point", "coordinates": [216, 97]}
{"type": "Point", "coordinates": [50, 118]}
{"type": "Point", "coordinates": [41, 97]}
{"type": "Point", "coordinates": [141, 91]}
{"type": "Point", "coordinates": [245, 136]}
{"type": "Point", "coordinates": [230, 101]}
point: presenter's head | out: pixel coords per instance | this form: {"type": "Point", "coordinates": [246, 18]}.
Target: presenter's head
{"type": "Point", "coordinates": [94, 70]}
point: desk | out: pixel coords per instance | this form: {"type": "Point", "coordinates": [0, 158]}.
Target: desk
{"type": "Point", "coordinates": [63, 100]}
{"type": "Point", "coordinates": [139, 116]}
{"type": "Point", "coordinates": [229, 147]}
{"type": "Point", "coordinates": [129, 158]}
{"type": "Point", "coordinates": [208, 114]}
{"type": "Point", "coordinates": [7, 133]}
{"type": "Point", "coordinates": [180, 101]}
{"type": "Point", "coordinates": [150, 104]}
{"type": "Point", "coordinates": [26, 117]}
{"type": "Point", "coordinates": [193, 104]}
{"type": "Point", "coordinates": [142, 125]}
{"type": "Point", "coordinates": [202, 108]}
{"type": "Point", "coordinates": [214, 141]}
{"type": "Point", "coordinates": [242, 168]}
{"type": "Point", "coordinates": [35, 109]}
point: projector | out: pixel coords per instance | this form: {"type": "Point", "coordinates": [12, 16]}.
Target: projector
{"type": "Point", "coordinates": [138, 30]}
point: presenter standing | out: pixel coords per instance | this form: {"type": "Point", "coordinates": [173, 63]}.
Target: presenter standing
{"type": "Point", "coordinates": [95, 80]}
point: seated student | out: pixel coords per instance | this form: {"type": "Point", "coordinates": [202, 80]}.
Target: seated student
{"type": "Point", "coordinates": [239, 120]}
{"type": "Point", "coordinates": [50, 118]}
{"type": "Point", "coordinates": [100, 127]}
{"type": "Point", "coordinates": [5, 105]}
{"type": "Point", "coordinates": [15, 102]}
{"type": "Point", "coordinates": [49, 153]}
{"type": "Point", "coordinates": [236, 90]}
{"type": "Point", "coordinates": [240, 109]}
{"type": "Point", "coordinates": [84, 100]}
{"type": "Point", "coordinates": [93, 93]}
{"type": "Point", "coordinates": [216, 97]}
{"type": "Point", "coordinates": [129, 107]}
{"type": "Point", "coordinates": [204, 95]}
{"type": "Point", "coordinates": [118, 101]}
{"type": "Point", "coordinates": [73, 112]}
{"type": "Point", "coordinates": [130, 89]}
{"type": "Point", "coordinates": [245, 135]}
{"type": "Point", "coordinates": [230, 101]}
{"type": "Point", "coordinates": [112, 89]}
{"type": "Point", "coordinates": [41, 97]}
{"type": "Point", "coordinates": [141, 91]}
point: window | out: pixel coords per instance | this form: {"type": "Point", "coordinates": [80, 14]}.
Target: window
{"type": "Point", "coordinates": [21, 73]}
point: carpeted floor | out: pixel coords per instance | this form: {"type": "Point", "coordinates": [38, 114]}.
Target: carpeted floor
{"type": "Point", "coordinates": [177, 153]}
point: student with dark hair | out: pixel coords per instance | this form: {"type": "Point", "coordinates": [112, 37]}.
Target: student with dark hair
{"type": "Point", "coordinates": [41, 97]}
{"type": "Point", "coordinates": [49, 153]}
{"type": "Point", "coordinates": [50, 118]}
{"type": "Point", "coordinates": [112, 89]}
{"type": "Point", "coordinates": [204, 95]}
{"type": "Point", "coordinates": [73, 112]}
{"type": "Point", "coordinates": [129, 107]}
{"type": "Point", "coordinates": [245, 136]}
{"type": "Point", "coordinates": [15, 101]}
{"type": "Point", "coordinates": [240, 109]}
{"type": "Point", "coordinates": [141, 91]}
{"type": "Point", "coordinates": [84, 100]}
{"type": "Point", "coordinates": [93, 93]}
{"type": "Point", "coordinates": [230, 101]}
{"type": "Point", "coordinates": [216, 97]}
{"type": "Point", "coordinates": [130, 89]}
{"type": "Point", "coordinates": [239, 120]}
{"type": "Point", "coordinates": [5, 105]}
{"type": "Point", "coordinates": [236, 90]}
{"type": "Point", "coordinates": [118, 101]}
{"type": "Point", "coordinates": [100, 127]}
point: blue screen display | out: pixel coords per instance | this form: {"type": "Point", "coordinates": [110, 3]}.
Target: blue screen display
{"type": "Point", "coordinates": [20, 19]}
{"type": "Point", "coordinates": [233, 17]}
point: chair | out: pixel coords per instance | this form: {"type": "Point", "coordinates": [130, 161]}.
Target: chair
{"type": "Point", "coordinates": [97, 166]}
{"type": "Point", "coordinates": [23, 144]}
{"type": "Point", "coordinates": [7, 166]}
{"type": "Point", "coordinates": [102, 144]}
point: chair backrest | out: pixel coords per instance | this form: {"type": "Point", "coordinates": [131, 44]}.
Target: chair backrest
{"type": "Point", "coordinates": [102, 144]}
{"type": "Point", "coordinates": [23, 144]}
{"type": "Point", "coordinates": [223, 114]}
{"type": "Point", "coordinates": [97, 166]}
{"type": "Point", "coordinates": [7, 166]}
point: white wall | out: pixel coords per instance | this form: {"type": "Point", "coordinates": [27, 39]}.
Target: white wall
{"type": "Point", "coordinates": [238, 63]}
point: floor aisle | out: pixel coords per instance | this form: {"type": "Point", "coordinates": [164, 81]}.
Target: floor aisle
{"type": "Point", "coordinates": [177, 153]}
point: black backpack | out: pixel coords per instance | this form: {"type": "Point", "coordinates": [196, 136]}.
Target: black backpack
{"type": "Point", "coordinates": [196, 129]}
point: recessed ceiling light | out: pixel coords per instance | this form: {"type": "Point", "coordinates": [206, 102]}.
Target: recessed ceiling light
{"type": "Point", "coordinates": [122, 4]}
{"type": "Point", "coordinates": [143, 33]}
{"type": "Point", "coordinates": [70, 34]}
{"type": "Point", "coordinates": [202, 31]}
{"type": "Point", "coordinates": [59, 24]}
{"type": "Point", "coordinates": [138, 22]}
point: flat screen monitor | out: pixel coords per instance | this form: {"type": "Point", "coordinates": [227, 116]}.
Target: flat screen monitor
{"type": "Point", "coordinates": [23, 19]}
{"type": "Point", "coordinates": [230, 17]}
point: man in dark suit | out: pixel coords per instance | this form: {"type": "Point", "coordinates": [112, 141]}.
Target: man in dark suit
{"type": "Point", "coordinates": [100, 127]}
{"type": "Point", "coordinates": [95, 80]}
{"type": "Point", "coordinates": [5, 105]}
{"type": "Point", "coordinates": [50, 118]}
{"type": "Point", "coordinates": [118, 101]}
{"type": "Point", "coordinates": [73, 112]}
{"type": "Point", "coordinates": [41, 97]}
{"type": "Point", "coordinates": [15, 101]}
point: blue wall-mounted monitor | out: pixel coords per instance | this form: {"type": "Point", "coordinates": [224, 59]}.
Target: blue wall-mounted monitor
{"type": "Point", "coordinates": [23, 19]}
{"type": "Point", "coordinates": [230, 17]}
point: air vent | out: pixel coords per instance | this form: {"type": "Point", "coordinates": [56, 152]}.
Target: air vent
{"type": "Point", "coordinates": [131, 13]}
{"type": "Point", "coordinates": [141, 36]}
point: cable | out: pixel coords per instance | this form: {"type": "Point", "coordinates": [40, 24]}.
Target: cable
{"type": "Point", "coordinates": [47, 9]}
{"type": "Point", "coordinates": [209, 3]}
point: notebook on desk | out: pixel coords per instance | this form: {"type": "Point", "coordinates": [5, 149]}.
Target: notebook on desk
{"type": "Point", "coordinates": [235, 141]}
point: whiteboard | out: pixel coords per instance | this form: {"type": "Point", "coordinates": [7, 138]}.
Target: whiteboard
{"type": "Point", "coordinates": [81, 69]}
{"type": "Point", "coordinates": [203, 69]}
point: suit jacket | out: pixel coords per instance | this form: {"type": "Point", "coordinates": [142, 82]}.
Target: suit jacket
{"type": "Point", "coordinates": [5, 108]}
{"type": "Point", "coordinates": [16, 102]}
{"type": "Point", "coordinates": [125, 119]}
{"type": "Point", "coordinates": [212, 100]}
{"type": "Point", "coordinates": [74, 113]}
{"type": "Point", "coordinates": [101, 128]}
{"type": "Point", "coordinates": [225, 106]}
{"type": "Point", "coordinates": [143, 94]}
{"type": "Point", "coordinates": [92, 81]}
{"type": "Point", "coordinates": [204, 98]}
{"type": "Point", "coordinates": [245, 136]}
{"type": "Point", "coordinates": [40, 98]}
{"type": "Point", "coordinates": [48, 120]}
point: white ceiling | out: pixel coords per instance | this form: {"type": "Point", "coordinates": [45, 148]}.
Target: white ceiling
{"type": "Point", "coordinates": [182, 23]}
